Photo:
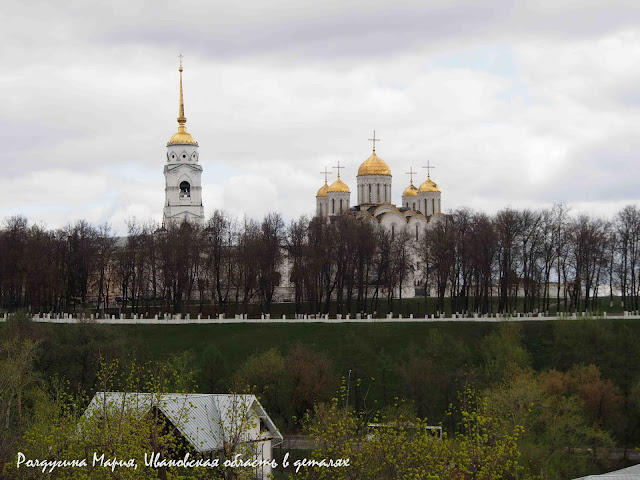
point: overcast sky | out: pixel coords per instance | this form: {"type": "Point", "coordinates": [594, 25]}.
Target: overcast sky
{"type": "Point", "coordinates": [515, 103]}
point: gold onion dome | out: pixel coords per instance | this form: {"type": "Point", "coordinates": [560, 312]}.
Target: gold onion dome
{"type": "Point", "coordinates": [323, 190]}
{"type": "Point", "coordinates": [428, 186]}
{"type": "Point", "coordinates": [338, 186]}
{"type": "Point", "coordinates": [410, 191]}
{"type": "Point", "coordinates": [182, 137]}
{"type": "Point", "coordinates": [374, 165]}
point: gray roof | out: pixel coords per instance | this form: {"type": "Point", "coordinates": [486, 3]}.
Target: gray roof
{"type": "Point", "coordinates": [629, 473]}
{"type": "Point", "coordinates": [205, 420]}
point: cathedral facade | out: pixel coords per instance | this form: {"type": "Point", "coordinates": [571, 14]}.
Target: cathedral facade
{"type": "Point", "coordinates": [421, 206]}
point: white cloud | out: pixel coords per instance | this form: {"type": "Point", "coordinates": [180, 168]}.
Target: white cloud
{"type": "Point", "coordinates": [517, 109]}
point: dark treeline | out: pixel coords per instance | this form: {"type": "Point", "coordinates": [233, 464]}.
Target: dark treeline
{"type": "Point", "coordinates": [525, 260]}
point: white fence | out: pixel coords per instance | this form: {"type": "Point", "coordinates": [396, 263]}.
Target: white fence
{"type": "Point", "coordinates": [318, 318]}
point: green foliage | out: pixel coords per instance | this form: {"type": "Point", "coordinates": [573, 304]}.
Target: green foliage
{"type": "Point", "coordinates": [560, 437]}
{"type": "Point", "coordinates": [288, 386]}
{"type": "Point", "coordinates": [502, 352]}
{"type": "Point", "coordinates": [401, 447]}
{"type": "Point", "coordinates": [19, 380]}
{"type": "Point", "coordinates": [214, 369]}
{"type": "Point", "coordinates": [120, 427]}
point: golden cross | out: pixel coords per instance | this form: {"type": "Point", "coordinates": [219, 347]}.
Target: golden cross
{"type": "Point", "coordinates": [411, 172]}
{"type": "Point", "coordinates": [374, 140]}
{"type": "Point", "coordinates": [338, 167]}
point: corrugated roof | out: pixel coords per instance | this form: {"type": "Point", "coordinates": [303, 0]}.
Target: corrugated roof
{"type": "Point", "coordinates": [205, 420]}
{"type": "Point", "coordinates": [629, 473]}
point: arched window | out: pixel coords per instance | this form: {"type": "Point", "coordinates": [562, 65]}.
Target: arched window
{"type": "Point", "coordinates": [333, 205]}
{"type": "Point", "coordinates": [414, 205]}
{"type": "Point", "coordinates": [433, 205]}
{"type": "Point", "coordinates": [185, 190]}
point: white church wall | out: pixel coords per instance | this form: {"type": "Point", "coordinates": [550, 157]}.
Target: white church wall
{"type": "Point", "coordinates": [380, 189]}
{"type": "Point", "coordinates": [333, 200]}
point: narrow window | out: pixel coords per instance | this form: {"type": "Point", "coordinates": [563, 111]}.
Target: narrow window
{"type": "Point", "coordinates": [333, 205]}
{"type": "Point", "coordinates": [340, 205]}
{"type": "Point", "coordinates": [393, 232]}
{"type": "Point", "coordinates": [433, 206]}
{"type": "Point", "coordinates": [369, 193]}
{"type": "Point", "coordinates": [416, 232]}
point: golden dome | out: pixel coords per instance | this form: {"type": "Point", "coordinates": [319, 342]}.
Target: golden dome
{"type": "Point", "coordinates": [428, 186]}
{"type": "Point", "coordinates": [374, 165]}
{"type": "Point", "coordinates": [338, 186]}
{"type": "Point", "coordinates": [323, 190]}
{"type": "Point", "coordinates": [182, 138]}
{"type": "Point", "coordinates": [410, 191]}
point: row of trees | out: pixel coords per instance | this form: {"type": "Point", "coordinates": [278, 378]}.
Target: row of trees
{"type": "Point", "coordinates": [517, 259]}
{"type": "Point", "coordinates": [515, 423]}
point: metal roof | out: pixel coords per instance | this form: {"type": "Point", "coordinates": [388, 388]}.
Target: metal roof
{"type": "Point", "coordinates": [205, 420]}
{"type": "Point", "coordinates": [629, 473]}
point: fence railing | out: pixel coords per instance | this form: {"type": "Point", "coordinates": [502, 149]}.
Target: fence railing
{"type": "Point", "coordinates": [168, 319]}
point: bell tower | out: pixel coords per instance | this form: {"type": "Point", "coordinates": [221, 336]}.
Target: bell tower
{"type": "Point", "coordinates": [182, 172]}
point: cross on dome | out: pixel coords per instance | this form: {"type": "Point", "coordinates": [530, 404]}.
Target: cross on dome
{"type": "Point", "coordinates": [428, 167]}
{"type": "Point", "coordinates": [412, 173]}
{"type": "Point", "coordinates": [326, 173]}
{"type": "Point", "coordinates": [374, 140]}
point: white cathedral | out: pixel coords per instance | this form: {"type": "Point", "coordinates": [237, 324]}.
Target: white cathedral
{"type": "Point", "coordinates": [421, 206]}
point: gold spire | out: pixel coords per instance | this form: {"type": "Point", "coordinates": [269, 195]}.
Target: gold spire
{"type": "Point", "coordinates": [181, 118]}
{"type": "Point", "coordinates": [182, 137]}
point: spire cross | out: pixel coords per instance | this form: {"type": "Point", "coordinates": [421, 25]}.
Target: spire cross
{"type": "Point", "coordinates": [326, 172]}
{"type": "Point", "coordinates": [180, 57]}
{"type": "Point", "coordinates": [374, 140]}
{"type": "Point", "coordinates": [428, 167]}
{"type": "Point", "coordinates": [411, 172]}
{"type": "Point", "coordinates": [338, 167]}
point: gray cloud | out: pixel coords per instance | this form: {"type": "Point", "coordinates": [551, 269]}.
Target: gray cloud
{"type": "Point", "coordinates": [520, 103]}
